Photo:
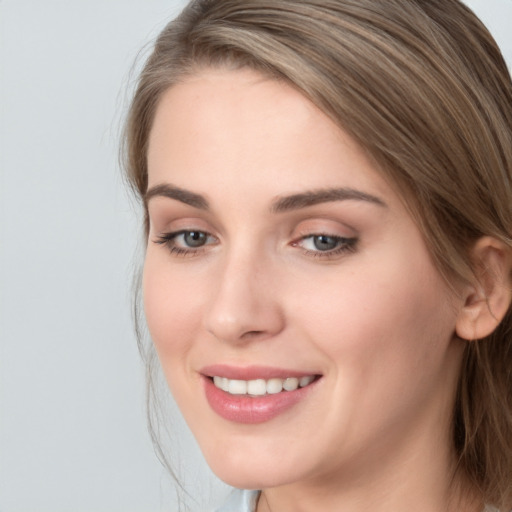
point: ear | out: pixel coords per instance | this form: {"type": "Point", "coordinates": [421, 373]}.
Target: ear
{"type": "Point", "coordinates": [487, 299]}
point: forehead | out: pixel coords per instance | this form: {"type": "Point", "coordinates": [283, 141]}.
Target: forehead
{"type": "Point", "coordinates": [222, 126]}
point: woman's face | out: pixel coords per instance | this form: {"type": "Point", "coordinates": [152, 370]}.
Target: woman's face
{"type": "Point", "coordinates": [278, 256]}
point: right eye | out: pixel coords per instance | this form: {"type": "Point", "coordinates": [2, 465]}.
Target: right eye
{"type": "Point", "coordinates": [186, 241]}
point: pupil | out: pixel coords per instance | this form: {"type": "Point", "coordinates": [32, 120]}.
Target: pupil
{"type": "Point", "coordinates": [325, 243]}
{"type": "Point", "coordinates": [195, 238]}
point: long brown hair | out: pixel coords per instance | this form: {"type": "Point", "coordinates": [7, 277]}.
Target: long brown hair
{"type": "Point", "coordinates": [423, 87]}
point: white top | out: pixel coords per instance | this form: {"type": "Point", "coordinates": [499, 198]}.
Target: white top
{"type": "Point", "coordinates": [240, 501]}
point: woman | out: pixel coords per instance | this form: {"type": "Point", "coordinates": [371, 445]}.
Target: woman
{"type": "Point", "coordinates": [327, 280]}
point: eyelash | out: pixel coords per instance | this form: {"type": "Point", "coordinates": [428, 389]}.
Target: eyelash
{"type": "Point", "coordinates": [343, 244]}
{"type": "Point", "coordinates": [169, 240]}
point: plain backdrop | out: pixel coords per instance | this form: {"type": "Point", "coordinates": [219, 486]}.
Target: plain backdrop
{"type": "Point", "coordinates": [72, 423]}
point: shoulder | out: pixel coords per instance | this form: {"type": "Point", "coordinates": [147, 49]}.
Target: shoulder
{"type": "Point", "coordinates": [240, 501]}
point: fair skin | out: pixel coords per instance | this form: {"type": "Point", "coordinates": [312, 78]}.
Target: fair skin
{"type": "Point", "coordinates": [338, 286]}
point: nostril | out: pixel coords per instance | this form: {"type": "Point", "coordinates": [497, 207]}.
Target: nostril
{"type": "Point", "coordinates": [252, 334]}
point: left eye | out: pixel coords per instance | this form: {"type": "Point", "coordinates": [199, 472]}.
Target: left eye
{"type": "Point", "coordinates": [193, 238]}
{"type": "Point", "coordinates": [326, 243]}
{"type": "Point", "coordinates": [186, 241]}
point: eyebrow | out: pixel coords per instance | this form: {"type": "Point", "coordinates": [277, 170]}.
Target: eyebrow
{"type": "Point", "coordinates": [280, 205]}
{"type": "Point", "coordinates": [314, 197]}
{"type": "Point", "coordinates": [179, 194]}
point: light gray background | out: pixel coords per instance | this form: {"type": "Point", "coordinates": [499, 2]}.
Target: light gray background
{"type": "Point", "coordinates": [72, 426]}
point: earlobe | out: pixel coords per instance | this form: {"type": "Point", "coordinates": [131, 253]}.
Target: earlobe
{"type": "Point", "coordinates": [488, 298]}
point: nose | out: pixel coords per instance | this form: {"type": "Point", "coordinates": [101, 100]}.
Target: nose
{"type": "Point", "coordinates": [245, 305]}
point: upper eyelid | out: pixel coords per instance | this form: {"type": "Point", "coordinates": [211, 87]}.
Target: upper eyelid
{"type": "Point", "coordinates": [333, 228]}
{"type": "Point", "coordinates": [302, 234]}
{"type": "Point", "coordinates": [165, 225]}
{"type": "Point", "coordinates": [298, 226]}
{"type": "Point", "coordinates": [347, 239]}
{"type": "Point", "coordinates": [172, 235]}
{"type": "Point", "coordinates": [346, 244]}
{"type": "Point", "coordinates": [180, 232]}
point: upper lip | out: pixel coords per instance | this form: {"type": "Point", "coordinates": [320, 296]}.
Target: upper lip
{"type": "Point", "coordinates": [251, 372]}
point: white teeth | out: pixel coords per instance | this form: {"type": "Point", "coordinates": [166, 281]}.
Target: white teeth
{"type": "Point", "coordinates": [221, 383]}
{"type": "Point", "coordinates": [237, 387]}
{"type": "Point", "coordinates": [261, 387]}
{"type": "Point", "coordinates": [257, 387]}
{"type": "Point", "coordinates": [274, 386]}
{"type": "Point", "coordinates": [291, 384]}
{"type": "Point", "coordinates": [305, 381]}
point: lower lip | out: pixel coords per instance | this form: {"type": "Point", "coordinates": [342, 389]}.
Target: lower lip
{"type": "Point", "coordinates": [252, 410]}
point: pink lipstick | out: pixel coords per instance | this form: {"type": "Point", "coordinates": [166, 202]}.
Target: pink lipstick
{"type": "Point", "coordinates": [254, 394]}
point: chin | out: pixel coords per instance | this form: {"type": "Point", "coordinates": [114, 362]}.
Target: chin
{"type": "Point", "coordinates": [241, 470]}
{"type": "Point", "coordinates": [247, 478]}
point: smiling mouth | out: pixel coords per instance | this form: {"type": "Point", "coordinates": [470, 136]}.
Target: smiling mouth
{"type": "Point", "coordinates": [262, 387]}
{"type": "Point", "coordinates": [264, 394]}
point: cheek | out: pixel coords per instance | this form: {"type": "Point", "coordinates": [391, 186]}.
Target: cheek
{"type": "Point", "coordinates": [172, 313]}
{"type": "Point", "coordinates": [396, 314]}
{"type": "Point", "coordinates": [386, 335]}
